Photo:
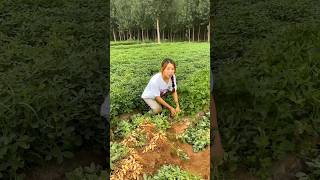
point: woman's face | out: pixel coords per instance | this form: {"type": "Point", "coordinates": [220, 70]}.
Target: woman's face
{"type": "Point", "coordinates": [168, 71]}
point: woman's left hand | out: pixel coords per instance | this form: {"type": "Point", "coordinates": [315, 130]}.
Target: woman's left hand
{"type": "Point", "coordinates": [178, 109]}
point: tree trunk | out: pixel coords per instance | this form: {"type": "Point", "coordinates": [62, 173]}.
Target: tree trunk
{"type": "Point", "coordinates": [189, 34]}
{"type": "Point", "coordinates": [158, 30]}
{"type": "Point", "coordinates": [147, 34]}
{"type": "Point", "coordinates": [192, 33]}
{"type": "Point", "coordinates": [114, 35]}
{"type": "Point", "coordinates": [163, 34]}
{"type": "Point", "coordinates": [142, 36]}
{"type": "Point", "coordinates": [171, 34]}
{"type": "Point", "coordinates": [199, 34]}
{"type": "Point", "coordinates": [130, 34]}
{"type": "Point", "coordinates": [209, 32]}
{"type": "Point", "coordinates": [119, 32]}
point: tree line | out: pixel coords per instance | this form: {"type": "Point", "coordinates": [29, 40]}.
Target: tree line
{"type": "Point", "coordinates": [156, 20]}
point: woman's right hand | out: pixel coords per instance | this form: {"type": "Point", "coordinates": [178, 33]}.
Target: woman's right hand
{"type": "Point", "coordinates": [172, 111]}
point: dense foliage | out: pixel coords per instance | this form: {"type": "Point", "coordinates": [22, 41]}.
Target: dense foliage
{"type": "Point", "coordinates": [52, 54]}
{"type": "Point", "coordinates": [266, 79]}
{"type": "Point", "coordinates": [177, 19]}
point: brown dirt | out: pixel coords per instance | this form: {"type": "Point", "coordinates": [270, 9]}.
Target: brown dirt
{"type": "Point", "coordinates": [179, 127]}
{"type": "Point", "coordinates": [160, 151]}
{"type": "Point", "coordinates": [198, 164]}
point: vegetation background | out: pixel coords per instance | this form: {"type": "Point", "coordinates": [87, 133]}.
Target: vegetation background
{"type": "Point", "coordinates": [265, 58]}
{"type": "Point", "coordinates": [53, 62]}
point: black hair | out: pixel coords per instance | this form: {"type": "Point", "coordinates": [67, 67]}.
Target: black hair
{"type": "Point", "coordinates": [164, 64]}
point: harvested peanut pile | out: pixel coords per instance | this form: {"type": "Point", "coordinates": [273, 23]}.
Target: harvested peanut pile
{"type": "Point", "coordinates": [128, 168]}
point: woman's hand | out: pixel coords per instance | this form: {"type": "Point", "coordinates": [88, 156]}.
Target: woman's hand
{"type": "Point", "coordinates": [172, 111]}
{"type": "Point", "coordinates": [178, 109]}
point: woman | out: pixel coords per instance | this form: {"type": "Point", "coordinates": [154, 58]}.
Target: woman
{"type": "Point", "coordinates": [159, 86]}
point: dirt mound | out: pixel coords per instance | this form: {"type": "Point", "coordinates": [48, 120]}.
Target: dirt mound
{"type": "Point", "coordinates": [179, 127]}
{"type": "Point", "coordinates": [199, 163]}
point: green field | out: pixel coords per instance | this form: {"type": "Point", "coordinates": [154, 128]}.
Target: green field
{"type": "Point", "coordinates": [133, 65]}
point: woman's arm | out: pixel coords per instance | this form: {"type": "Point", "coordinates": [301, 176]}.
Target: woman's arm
{"type": "Point", "coordinates": [175, 98]}
{"type": "Point", "coordinates": [162, 102]}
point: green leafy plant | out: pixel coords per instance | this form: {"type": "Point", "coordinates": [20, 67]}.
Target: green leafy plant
{"type": "Point", "coordinates": [92, 172]}
{"type": "Point", "coordinates": [161, 122]}
{"type": "Point", "coordinates": [137, 120]}
{"type": "Point", "coordinates": [173, 172]}
{"type": "Point", "coordinates": [123, 128]}
{"type": "Point", "coordinates": [198, 134]}
{"type": "Point", "coordinates": [311, 160]}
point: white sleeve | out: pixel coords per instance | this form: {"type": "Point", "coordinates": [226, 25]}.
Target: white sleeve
{"type": "Point", "coordinates": [154, 88]}
{"type": "Point", "coordinates": [175, 82]}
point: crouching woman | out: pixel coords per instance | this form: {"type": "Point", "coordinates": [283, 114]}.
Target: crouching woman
{"type": "Point", "coordinates": [159, 86]}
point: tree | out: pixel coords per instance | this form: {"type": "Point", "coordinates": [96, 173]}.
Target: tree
{"type": "Point", "coordinates": [113, 19]}
{"type": "Point", "coordinates": [124, 17]}
{"type": "Point", "coordinates": [141, 17]}
{"type": "Point", "coordinates": [156, 8]}
{"type": "Point", "coordinates": [174, 19]}
{"type": "Point", "coordinates": [203, 11]}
